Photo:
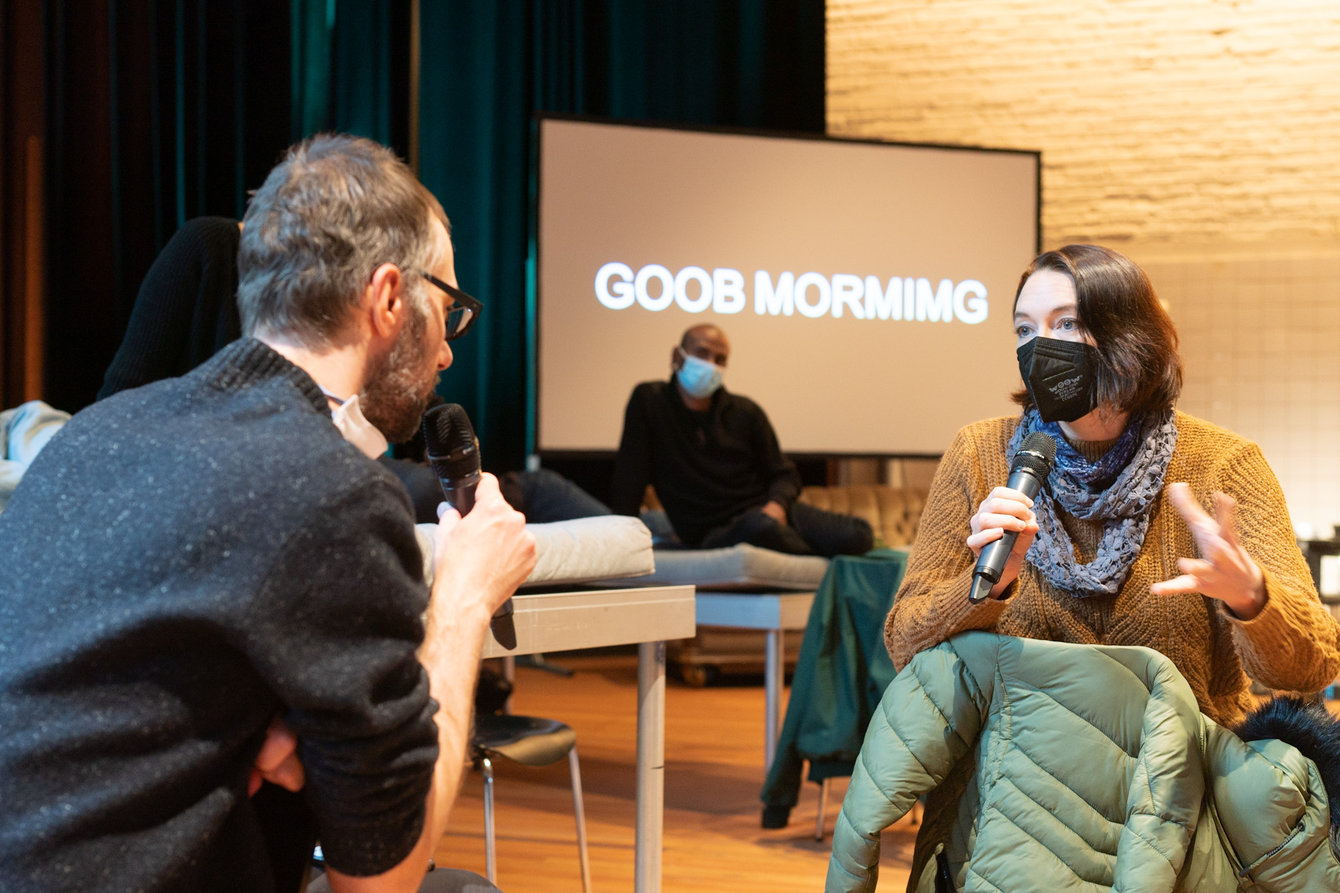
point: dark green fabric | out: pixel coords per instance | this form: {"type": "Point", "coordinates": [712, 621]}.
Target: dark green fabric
{"type": "Point", "coordinates": [488, 68]}
{"type": "Point", "coordinates": [161, 112]}
{"type": "Point", "coordinates": [350, 69]}
{"type": "Point", "coordinates": [156, 113]}
{"type": "Point", "coordinates": [841, 673]}
{"type": "Point", "coordinates": [313, 25]}
{"type": "Point", "coordinates": [474, 137]}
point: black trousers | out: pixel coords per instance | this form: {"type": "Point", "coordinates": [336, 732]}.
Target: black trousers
{"type": "Point", "coordinates": [811, 531]}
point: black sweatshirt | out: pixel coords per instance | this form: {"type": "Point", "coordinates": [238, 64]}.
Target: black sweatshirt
{"type": "Point", "coordinates": [707, 467]}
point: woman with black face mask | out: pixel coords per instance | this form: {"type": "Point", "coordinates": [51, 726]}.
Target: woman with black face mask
{"type": "Point", "coordinates": [1154, 528]}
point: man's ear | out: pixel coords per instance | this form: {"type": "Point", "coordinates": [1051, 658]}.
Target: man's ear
{"type": "Point", "coordinates": [385, 301]}
{"type": "Point", "coordinates": [676, 358]}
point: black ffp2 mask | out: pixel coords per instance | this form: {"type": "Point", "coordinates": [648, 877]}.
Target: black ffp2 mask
{"type": "Point", "coordinates": [1061, 377]}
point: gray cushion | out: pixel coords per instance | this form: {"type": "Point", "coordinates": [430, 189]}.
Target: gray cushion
{"type": "Point", "coordinates": [595, 548]}
{"type": "Point", "coordinates": [741, 567]}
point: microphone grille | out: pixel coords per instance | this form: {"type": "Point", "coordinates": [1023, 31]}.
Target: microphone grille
{"type": "Point", "coordinates": [1037, 452]}
{"type": "Point", "coordinates": [447, 430]}
{"type": "Point", "coordinates": [1040, 442]}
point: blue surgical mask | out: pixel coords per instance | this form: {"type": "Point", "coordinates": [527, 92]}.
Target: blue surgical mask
{"type": "Point", "coordinates": [698, 377]}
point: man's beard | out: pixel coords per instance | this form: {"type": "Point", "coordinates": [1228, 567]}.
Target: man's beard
{"type": "Point", "coordinates": [396, 394]}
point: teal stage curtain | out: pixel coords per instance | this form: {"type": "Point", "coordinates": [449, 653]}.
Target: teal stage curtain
{"type": "Point", "coordinates": [488, 68]}
{"type": "Point", "coordinates": [350, 69]}
{"type": "Point", "coordinates": [162, 110]}
{"type": "Point", "coordinates": [157, 111]}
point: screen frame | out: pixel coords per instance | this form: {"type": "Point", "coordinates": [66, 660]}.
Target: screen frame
{"type": "Point", "coordinates": [535, 264]}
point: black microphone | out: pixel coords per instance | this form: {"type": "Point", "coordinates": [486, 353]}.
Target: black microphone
{"type": "Point", "coordinates": [453, 454]}
{"type": "Point", "coordinates": [1029, 472]}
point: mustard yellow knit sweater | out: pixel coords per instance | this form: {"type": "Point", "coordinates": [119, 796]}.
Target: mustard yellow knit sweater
{"type": "Point", "coordinates": [1293, 644]}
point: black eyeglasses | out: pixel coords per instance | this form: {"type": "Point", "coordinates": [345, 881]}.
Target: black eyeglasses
{"type": "Point", "coordinates": [464, 311]}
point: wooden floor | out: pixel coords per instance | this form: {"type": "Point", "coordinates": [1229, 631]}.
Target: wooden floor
{"type": "Point", "coordinates": [713, 775]}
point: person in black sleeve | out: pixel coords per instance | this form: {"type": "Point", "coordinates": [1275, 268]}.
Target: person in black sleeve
{"type": "Point", "coordinates": [209, 585]}
{"type": "Point", "coordinates": [715, 464]}
{"type": "Point", "coordinates": [185, 310]}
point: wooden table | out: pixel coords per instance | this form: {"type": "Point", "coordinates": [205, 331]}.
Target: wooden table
{"type": "Point", "coordinates": [647, 617]}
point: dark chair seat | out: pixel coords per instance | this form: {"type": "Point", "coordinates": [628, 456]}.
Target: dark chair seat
{"type": "Point", "coordinates": [530, 741]}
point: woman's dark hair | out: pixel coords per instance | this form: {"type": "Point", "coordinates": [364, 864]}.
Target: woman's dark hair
{"type": "Point", "coordinates": [1140, 370]}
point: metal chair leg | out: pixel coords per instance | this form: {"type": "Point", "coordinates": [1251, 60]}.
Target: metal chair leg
{"type": "Point", "coordinates": [579, 810]}
{"type": "Point", "coordinates": [819, 818]}
{"type": "Point", "coordinates": [490, 860]}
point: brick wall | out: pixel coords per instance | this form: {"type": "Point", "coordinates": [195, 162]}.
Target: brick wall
{"type": "Point", "coordinates": [1201, 138]}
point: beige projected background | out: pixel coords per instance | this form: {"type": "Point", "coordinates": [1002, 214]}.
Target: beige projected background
{"type": "Point", "coordinates": [642, 195]}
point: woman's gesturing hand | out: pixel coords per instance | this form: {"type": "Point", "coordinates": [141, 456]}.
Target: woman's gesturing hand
{"type": "Point", "coordinates": [1224, 571]}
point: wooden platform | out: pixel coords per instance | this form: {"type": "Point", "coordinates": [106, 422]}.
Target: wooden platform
{"type": "Point", "coordinates": [718, 652]}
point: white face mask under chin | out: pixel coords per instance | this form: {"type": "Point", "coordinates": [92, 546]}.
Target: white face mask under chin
{"type": "Point", "coordinates": [355, 428]}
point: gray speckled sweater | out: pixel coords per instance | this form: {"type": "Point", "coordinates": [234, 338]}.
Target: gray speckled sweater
{"type": "Point", "coordinates": [183, 562]}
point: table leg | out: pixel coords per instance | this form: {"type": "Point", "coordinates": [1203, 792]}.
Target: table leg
{"type": "Point", "coordinates": [650, 765]}
{"type": "Point", "coordinates": [773, 669]}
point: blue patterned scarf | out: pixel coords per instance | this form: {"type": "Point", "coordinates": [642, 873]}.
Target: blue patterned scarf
{"type": "Point", "coordinates": [1118, 490]}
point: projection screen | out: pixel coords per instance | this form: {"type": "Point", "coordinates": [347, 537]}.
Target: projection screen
{"type": "Point", "coordinates": [866, 288]}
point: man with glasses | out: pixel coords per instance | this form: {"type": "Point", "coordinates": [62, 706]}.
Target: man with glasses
{"type": "Point", "coordinates": [210, 587]}
{"type": "Point", "coordinates": [464, 309]}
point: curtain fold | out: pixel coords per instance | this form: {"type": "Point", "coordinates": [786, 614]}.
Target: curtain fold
{"type": "Point", "coordinates": [159, 111]}
{"type": "Point", "coordinates": [163, 110]}
{"type": "Point", "coordinates": [350, 70]}
{"type": "Point", "coordinates": [737, 63]}
{"type": "Point", "coordinates": [474, 105]}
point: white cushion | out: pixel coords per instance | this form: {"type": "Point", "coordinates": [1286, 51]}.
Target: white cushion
{"type": "Point", "coordinates": [576, 551]}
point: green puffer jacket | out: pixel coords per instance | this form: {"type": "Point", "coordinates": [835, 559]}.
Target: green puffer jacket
{"type": "Point", "coordinates": [1087, 768]}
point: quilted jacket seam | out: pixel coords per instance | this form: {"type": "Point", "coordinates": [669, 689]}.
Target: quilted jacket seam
{"type": "Point", "coordinates": [1060, 782]}
{"type": "Point", "coordinates": [1039, 841]}
{"type": "Point", "coordinates": [1150, 843]}
{"type": "Point", "coordinates": [1104, 732]}
{"type": "Point", "coordinates": [945, 716]}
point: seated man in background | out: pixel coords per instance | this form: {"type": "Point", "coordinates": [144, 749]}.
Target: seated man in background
{"type": "Point", "coordinates": [189, 561]}
{"type": "Point", "coordinates": [715, 463]}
